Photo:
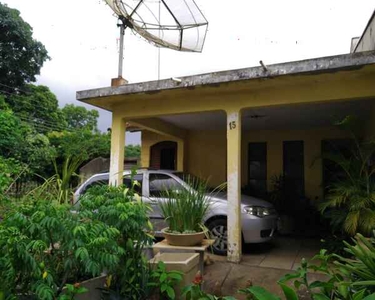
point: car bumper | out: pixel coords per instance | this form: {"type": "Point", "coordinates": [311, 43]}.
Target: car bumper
{"type": "Point", "coordinates": [258, 230]}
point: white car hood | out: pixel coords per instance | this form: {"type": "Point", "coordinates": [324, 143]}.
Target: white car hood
{"type": "Point", "coordinates": [245, 200]}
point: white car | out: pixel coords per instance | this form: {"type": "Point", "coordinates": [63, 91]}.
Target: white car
{"type": "Point", "coordinates": [259, 218]}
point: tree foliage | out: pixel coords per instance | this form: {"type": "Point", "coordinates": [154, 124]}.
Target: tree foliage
{"type": "Point", "coordinates": [78, 117]}
{"type": "Point", "coordinates": [19, 141]}
{"type": "Point", "coordinates": [38, 107]}
{"type": "Point", "coordinates": [133, 151]}
{"type": "Point", "coordinates": [21, 55]}
{"type": "Point", "coordinates": [85, 143]}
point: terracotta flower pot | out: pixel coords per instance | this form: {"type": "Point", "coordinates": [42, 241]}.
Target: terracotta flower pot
{"type": "Point", "coordinates": [183, 239]}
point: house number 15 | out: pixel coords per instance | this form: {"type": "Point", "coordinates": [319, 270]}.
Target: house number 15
{"type": "Point", "coordinates": [232, 125]}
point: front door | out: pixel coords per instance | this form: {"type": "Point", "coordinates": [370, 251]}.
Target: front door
{"type": "Point", "coordinates": [163, 155]}
{"type": "Point", "coordinates": [168, 158]}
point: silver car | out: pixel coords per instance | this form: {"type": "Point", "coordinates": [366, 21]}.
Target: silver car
{"type": "Point", "coordinates": [259, 218]}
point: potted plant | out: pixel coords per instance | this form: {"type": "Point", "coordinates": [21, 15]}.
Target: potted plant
{"type": "Point", "coordinates": [184, 211]}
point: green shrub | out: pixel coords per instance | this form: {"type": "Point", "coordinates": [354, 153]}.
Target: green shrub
{"type": "Point", "coordinates": [164, 281]}
{"type": "Point", "coordinates": [45, 246]}
{"type": "Point", "coordinates": [122, 208]}
{"type": "Point", "coordinates": [350, 202]}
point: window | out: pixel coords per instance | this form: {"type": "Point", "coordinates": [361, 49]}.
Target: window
{"type": "Point", "coordinates": [95, 183]}
{"type": "Point", "coordinates": [137, 188]}
{"type": "Point", "coordinates": [257, 154]}
{"type": "Point", "coordinates": [294, 179]}
{"type": "Point", "coordinates": [160, 183]}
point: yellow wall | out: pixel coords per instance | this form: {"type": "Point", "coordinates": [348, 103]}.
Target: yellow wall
{"type": "Point", "coordinates": [205, 153]}
{"type": "Point", "coordinates": [312, 150]}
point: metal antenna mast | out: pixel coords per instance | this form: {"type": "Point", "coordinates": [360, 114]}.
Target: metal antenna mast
{"type": "Point", "coordinates": [121, 49]}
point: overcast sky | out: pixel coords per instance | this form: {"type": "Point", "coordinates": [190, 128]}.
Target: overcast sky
{"type": "Point", "coordinates": [82, 40]}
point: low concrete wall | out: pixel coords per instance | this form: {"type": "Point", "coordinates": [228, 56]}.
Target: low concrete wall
{"type": "Point", "coordinates": [100, 165]}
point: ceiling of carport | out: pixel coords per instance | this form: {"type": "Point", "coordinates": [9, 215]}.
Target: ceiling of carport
{"type": "Point", "coordinates": [277, 117]}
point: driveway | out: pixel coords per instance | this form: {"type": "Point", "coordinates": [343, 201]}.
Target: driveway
{"type": "Point", "coordinates": [261, 265]}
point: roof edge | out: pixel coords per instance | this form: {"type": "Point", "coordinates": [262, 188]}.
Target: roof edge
{"type": "Point", "coordinates": [308, 66]}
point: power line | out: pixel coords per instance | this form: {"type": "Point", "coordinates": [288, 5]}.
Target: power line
{"type": "Point", "coordinates": [40, 127]}
{"type": "Point", "coordinates": [14, 88]}
{"type": "Point", "coordinates": [33, 101]}
{"type": "Point", "coordinates": [46, 124]}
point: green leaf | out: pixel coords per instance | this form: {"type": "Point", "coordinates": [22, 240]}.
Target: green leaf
{"type": "Point", "coordinates": [259, 293]}
{"type": "Point", "coordinates": [81, 290]}
{"type": "Point", "coordinates": [289, 293]}
{"type": "Point", "coordinates": [320, 284]}
{"type": "Point", "coordinates": [161, 266]}
{"type": "Point", "coordinates": [163, 277]}
{"type": "Point", "coordinates": [343, 289]}
{"type": "Point", "coordinates": [359, 295]}
{"type": "Point", "coordinates": [320, 296]}
{"type": "Point", "coordinates": [175, 276]}
{"type": "Point", "coordinates": [70, 287]}
{"type": "Point", "coordinates": [163, 287]}
{"type": "Point", "coordinates": [370, 297]}
{"type": "Point", "coordinates": [170, 293]}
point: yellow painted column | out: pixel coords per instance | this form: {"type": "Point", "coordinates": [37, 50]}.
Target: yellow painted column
{"type": "Point", "coordinates": [180, 155]}
{"type": "Point", "coordinates": [234, 184]}
{"type": "Point", "coordinates": [116, 168]}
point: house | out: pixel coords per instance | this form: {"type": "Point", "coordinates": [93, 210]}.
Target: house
{"type": "Point", "coordinates": [245, 126]}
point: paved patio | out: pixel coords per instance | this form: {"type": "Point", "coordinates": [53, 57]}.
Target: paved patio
{"type": "Point", "coordinates": [261, 265]}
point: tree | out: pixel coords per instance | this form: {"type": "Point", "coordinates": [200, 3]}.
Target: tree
{"type": "Point", "coordinates": [21, 56]}
{"type": "Point", "coordinates": [84, 143]}
{"type": "Point", "coordinates": [78, 117]}
{"type": "Point", "coordinates": [19, 141]}
{"type": "Point", "coordinates": [38, 106]}
{"type": "Point", "coordinates": [133, 151]}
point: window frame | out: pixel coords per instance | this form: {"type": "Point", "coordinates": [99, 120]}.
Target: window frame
{"type": "Point", "coordinates": [180, 182]}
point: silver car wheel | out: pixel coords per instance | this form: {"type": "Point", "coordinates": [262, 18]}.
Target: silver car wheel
{"type": "Point", "coordinates": [220, 234]}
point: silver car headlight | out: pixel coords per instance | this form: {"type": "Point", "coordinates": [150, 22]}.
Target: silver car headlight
{"type": "Point", "coordinates": [259, 211]}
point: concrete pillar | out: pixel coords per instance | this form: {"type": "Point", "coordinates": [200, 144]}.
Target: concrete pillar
{"type": "Point", "coordinates": [234, 184]}
{"type": "Point", "coordinates": [180, 155]}
{"type": "Point", "coordinates": [117, 150]}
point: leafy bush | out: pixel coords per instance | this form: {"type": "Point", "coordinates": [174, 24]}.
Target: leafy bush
{"type": "Point", "coordinates": [122, 208]}
{"type": "Point", "coordinates": [350, 203]}
{"type": "Point", "coordinates": [44, 246]}
{"type": "Point", "coordinates": [9, 169]}
{"type": "Point", "coordinates": [165, 281]}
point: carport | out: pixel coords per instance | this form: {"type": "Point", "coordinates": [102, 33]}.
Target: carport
{"type": "Point", "coordinates": [218, 119]}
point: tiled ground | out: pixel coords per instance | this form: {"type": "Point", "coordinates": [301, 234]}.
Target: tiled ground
{"type": "Point", "coordinates": [261, 265]}
{"type": "Point", "coordinates": [282, 253]}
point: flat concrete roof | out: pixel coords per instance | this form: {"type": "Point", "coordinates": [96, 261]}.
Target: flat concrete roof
{"type": "Point", "coordinates": [330, 64]}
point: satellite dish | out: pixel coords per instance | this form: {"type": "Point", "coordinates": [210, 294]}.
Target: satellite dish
{"type": "Point", "coordinates": [174, 24]}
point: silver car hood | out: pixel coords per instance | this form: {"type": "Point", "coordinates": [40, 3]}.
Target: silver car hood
{"type": "Point", "coordinates": [245, 200]}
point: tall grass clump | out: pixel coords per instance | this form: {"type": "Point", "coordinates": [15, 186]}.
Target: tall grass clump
{"type": "Point", "coordinates": [184, 209]}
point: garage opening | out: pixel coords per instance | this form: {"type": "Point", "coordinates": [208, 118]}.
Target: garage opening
{"type": "Point", "coordinates": [164, 155]}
